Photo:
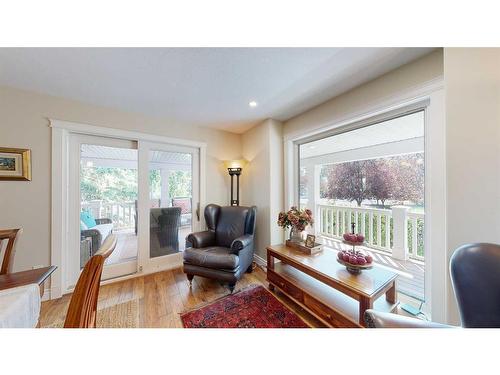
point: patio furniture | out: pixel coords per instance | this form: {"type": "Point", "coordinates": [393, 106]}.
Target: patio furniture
{"type": "Point", "coordinates": [85, 250]}
{"type": "Point", "coordinates": [98, 233]}
{"type": "Point", "coordinates": [82, 310]}
{"type": "Point", "coordinates": [153, 203]}
{"type": "Point", "coordinates": [186, 209]}
{"type": "Point", "coordinates": [8, 258]}
{"type": "Point", "coordinates": [224, 251]}
{"type": "Point", "coordinates": [476, 283]}
{"type": "Point", "coordinates": [164, 230]}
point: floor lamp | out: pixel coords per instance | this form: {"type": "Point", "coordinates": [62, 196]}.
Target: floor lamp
{"type": "Point", "coordinates": [234, 168]}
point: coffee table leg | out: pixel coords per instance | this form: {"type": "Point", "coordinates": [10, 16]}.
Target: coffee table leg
{"type": "Point", "coordinates": [364, 304]}
{"type": "Point", "coordinates": [390, 295]}
{"type": "Point", "coordinates": [270, 266]}
{"type": "Point", "coordinates": [270, 261]}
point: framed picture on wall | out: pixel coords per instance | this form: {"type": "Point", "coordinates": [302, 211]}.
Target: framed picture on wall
{"type": "Point", "coordinates": [15, 164]}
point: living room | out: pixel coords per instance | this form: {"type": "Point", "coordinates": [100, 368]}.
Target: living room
{"type": "Point", "coordinates": [250, 186]}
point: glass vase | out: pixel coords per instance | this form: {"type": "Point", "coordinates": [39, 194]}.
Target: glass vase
{"type": "Point", "coordinates": [295, 235]}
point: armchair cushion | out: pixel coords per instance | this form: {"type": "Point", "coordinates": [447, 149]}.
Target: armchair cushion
{"type": "Point", "coordinates": [241, 242]}
{"type": "Point", "coordinates": [88, 219]}
{"type": "Point", "coordinates": [212, 257]}
{"type": "Point", "coordinates": [376, 319]}
{"type": "Point", "coordinates": [231, 225]}
{"type": "Point", "coordinates": [202, 239]}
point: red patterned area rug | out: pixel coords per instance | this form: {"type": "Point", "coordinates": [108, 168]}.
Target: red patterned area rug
{"type": "Point", "coordinates": [250, 308]}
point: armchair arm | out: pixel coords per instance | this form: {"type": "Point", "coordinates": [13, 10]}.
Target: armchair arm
{"type": "Point", "coordinates": [241, 242]}
{"type": "Point", "coordinates": [202, 239]}
{"type": "Point", "coordinates": [104, 220]}
{"type": "Point", "coordinates": [376, 319]}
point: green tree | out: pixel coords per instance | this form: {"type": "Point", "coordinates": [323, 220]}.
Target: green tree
{"type": "Point", "coordinates": [108, 184]}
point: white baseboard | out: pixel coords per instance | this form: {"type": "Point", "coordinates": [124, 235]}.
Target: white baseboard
{"type": "Point", "coordinates": [50, 293]}
{"type": "Point", "coordinates": [260, 261]}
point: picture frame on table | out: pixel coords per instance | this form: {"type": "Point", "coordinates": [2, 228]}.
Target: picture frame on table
{"type": "Point", "coordinates": [15, 164]}
{"type": "Point", "coordinates": [310, 240]}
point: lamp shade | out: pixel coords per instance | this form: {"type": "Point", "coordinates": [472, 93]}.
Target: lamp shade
{"type": "Point", "coordinates": [235, 163]}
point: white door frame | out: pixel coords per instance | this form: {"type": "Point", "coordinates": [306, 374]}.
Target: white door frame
{"type": "Point", "coordinates": [432, 93]}
{"type": "Point", "coordinates": [146, 264]}
{"type": "Point", "coordinates": [60, 207]}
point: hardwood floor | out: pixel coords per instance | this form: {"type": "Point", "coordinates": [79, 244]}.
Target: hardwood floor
{"type": "Point", "coordinates": [156, 300]}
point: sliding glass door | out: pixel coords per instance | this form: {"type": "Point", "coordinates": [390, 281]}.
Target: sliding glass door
{"type": "Point", "coordinates": [146, 194]}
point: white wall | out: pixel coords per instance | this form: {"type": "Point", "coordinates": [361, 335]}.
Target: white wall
{"type": "Point", "coordinates": [24, 124]}
{"type": "Point", "coordinates": [472, 84]}
{"type": "Point", "coordinates": [262, 180]}
{"type": "Point", "coordinates": [365, 96]}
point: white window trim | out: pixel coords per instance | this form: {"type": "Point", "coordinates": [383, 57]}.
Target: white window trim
{"type": "Point", "coordinates": [431, 96]}
{"type": "Point", "coordinates": [61, 131]}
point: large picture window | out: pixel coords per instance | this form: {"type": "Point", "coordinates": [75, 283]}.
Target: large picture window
{"type": "Point", "coordinates": [372, 177]}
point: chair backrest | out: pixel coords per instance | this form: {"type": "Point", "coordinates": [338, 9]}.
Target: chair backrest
{"type": "Point", "coordinates": [475, 274]}
{"type": "Point", "coordinates": [170, 217]}
{"type": "Point", "coordinates": [82, 310]}
{"type": "Point", "coordinates": [8, 258]}
{"type": "Point", "coordinates": [230, 222]}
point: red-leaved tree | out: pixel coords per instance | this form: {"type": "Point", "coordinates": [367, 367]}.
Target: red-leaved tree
{"type": "Point", "coordinates": [348, 181]}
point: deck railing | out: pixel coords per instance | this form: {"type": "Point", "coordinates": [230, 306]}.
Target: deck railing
{"type": "Point", "coordinates": [121, 213]}
{"type": "Point", "coordinates": [394, 230]}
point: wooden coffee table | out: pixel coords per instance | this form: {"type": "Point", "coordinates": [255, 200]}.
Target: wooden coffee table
{"type": "Point", "coordinates": [326, 289]}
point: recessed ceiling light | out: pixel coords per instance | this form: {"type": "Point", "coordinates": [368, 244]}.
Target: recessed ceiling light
{"type": "Point", "coordinates": [253, 104]}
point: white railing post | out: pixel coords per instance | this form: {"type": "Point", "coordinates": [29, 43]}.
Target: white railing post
{"type": "Point", "coordinates": [95, 206]}
{"type": "Point", "coordinates": [400, 232]}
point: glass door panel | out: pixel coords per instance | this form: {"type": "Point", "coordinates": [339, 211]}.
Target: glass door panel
{"type": "Point", "coordinates": [104, 192]}
{"type": "Point", "coordinates": [168, 199]}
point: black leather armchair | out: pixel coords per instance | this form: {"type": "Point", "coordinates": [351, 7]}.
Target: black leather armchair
{"type": "Point", "coordinates": [475, 277]}
{"type": "Point", "coordinates": [225, 251]}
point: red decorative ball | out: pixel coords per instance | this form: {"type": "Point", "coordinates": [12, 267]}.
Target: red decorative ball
{"type": "Point", "coordinates": [361, 261]}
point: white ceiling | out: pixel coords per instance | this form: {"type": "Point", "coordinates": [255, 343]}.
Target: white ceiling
{"type": "Point", "coordinates": [200, 86]}
{"type": "Point", "coordinates": [126, 154]}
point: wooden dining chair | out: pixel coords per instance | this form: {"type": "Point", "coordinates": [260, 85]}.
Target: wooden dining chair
{"type": "Point", "coordinates": [82, 310]}
{"type": "Point", "coordinates": [8, 258]}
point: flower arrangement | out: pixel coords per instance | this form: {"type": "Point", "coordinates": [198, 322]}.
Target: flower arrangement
{"type": "Point", "coordinates": [295, 218]}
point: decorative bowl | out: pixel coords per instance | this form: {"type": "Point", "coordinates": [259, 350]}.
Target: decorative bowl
{"type": "Point", "coordinates": [355, 268]}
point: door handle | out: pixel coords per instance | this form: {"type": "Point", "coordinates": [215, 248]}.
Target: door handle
{"type": "Point", "coordinates": [198, 210]}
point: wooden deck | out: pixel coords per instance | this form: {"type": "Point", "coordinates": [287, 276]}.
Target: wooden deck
{"type": "Point", "coordinates": [410, 281]}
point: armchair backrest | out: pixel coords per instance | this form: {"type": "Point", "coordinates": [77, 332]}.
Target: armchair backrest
{"type": "Point", "coordinates": [230, 222]}
{"type": "Point", "coordinates": [475, 276]}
